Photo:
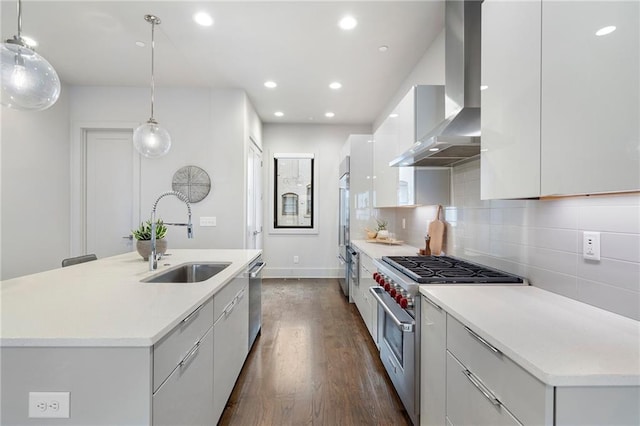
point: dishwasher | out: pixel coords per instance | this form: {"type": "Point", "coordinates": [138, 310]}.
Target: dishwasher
{"type": "Point", "coordinates": [255, 298]}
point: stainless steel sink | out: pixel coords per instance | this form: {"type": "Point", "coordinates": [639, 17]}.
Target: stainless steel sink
{"type": "Point", "coordinates": [192, 272]}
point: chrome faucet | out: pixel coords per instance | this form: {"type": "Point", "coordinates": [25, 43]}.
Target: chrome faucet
{"type": "Point", "coordinates": [153, 257]}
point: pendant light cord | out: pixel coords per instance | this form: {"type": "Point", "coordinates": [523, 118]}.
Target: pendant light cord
{"type": "Point", "coordinates": [20, 19]}
{"type": "Point", "coordinates": [153, 47]}
{"type": "Point", "coordinates": [153, 20]}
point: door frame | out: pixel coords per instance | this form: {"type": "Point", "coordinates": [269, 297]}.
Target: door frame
{"type": "Point", "coordinates": [78, 179]}
{"type": "Point", "coordinates": [253, 147]}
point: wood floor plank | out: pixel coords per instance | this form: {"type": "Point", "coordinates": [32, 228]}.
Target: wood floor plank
{"type": "Point", "coordinates": [314, 363]}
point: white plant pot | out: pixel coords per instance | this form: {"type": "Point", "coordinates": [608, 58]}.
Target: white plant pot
{"type": "Point", "coordinates": [383, 234]}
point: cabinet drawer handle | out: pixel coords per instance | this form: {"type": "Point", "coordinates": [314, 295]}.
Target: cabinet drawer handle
{"type": "Point", "coordinates": [192, 314]}
{"type": "Point", "coordinates": [487, 393]}
{"type": "Point", "coordinates": [191, 353]}
{"type": "Point", "coordinates": [432, 303]}
{"type": "Point", "coordinates": [481, 340]}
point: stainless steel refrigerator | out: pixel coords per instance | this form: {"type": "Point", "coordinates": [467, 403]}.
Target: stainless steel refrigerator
{"type": "Point", "coordinates": [343, 226]}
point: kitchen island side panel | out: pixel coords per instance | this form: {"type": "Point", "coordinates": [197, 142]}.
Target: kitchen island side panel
{"type": "Point", "coordinates": [107, 386]}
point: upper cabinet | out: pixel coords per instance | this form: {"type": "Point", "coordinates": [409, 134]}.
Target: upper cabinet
{"type": "Point", "coordinates": [414, 115]}
{"type": "Point", "coordinates": [360, 184]}
{"type": "Point", "coordinates": [560, 113]}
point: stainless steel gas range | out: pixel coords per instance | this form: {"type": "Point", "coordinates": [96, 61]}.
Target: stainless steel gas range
{"type": "Point", "coordinates": [399, 278]}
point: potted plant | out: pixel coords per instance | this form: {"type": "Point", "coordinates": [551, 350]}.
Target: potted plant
{"type": "Point", "coordinates": [383, 233]}
{"type": "Point", "coordinates": [143, 237]}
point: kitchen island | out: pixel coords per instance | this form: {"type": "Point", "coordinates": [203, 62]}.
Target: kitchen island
{"type": "Point", "coordinates": [120, 346]}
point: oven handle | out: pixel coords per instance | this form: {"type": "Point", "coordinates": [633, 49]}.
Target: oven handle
{"type": "Point", "coordinates": [404, 326]}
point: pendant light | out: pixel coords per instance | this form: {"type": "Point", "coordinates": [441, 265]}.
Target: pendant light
{"type": "Point", "coordinates": [29, 82]}
{"type": "Point", "coordinates": [150, 139]}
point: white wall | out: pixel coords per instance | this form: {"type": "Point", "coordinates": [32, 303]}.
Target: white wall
{"type": "Point", "coordinates": [429, 70]}
{"type": "Point", "coordinates": [317, 252]}
{"type": "Point", "coordinates": [209, 129]}
{"type": "Point", "coordinates": [35, 188]}
{"type": "Point", "coordinates": [542, 240]}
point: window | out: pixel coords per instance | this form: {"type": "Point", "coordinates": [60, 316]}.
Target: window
{"type": "Point", "coordinates": [293, 191]}
{"type": "Point", "coordinates": [289, 204]}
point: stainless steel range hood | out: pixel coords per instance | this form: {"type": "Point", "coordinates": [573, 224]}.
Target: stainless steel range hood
{"type": "Point", "coordinates": [457, 138]}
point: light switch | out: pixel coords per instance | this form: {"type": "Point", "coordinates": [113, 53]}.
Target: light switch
{"type": "Point", "coordinates": [208, 221]}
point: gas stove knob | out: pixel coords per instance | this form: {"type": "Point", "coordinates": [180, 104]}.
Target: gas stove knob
{"type": "Point", "coordinates": [387, 286]}
{"type": "Point", "coordinates": [404, 303]}
{"type": "Point", "coordinates": [399, 297]}
{"type": "Point", "coordinates": [375, 276]}
{"type": "Point", "coordinates": [393, 292]}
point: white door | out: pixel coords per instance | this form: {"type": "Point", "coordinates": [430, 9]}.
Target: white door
{"type": "Point", "coordinates": [254, 198]}
{"type": "Point", "coordinates": [111, 197]}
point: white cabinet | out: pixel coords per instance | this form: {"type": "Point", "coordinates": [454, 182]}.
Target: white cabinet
{"type": "Point", "coordinates": [510, 155]}
{"type": "Point", "coordinates": [433, 352]}
{"type": "Point", "coordinates": [230, 339]}
{"type": "Point", "coordinates": [590, 97]}
{"type": "Point", "coordinates": [369, 309]}
{"type": "Point", "coordinates": [561, 107]}
{"type": "Point", "coordinates": [468, 403]}
{"type": "Point", "coordinates": [414, 115]}
{"type": "Point", "coordinates": [186, 397]}
{"type": "Point", "coordinates": [501, 383]}
{"type": "Point", "coordinates": [360, 185]}
{"type": "Point", "coordinates": [183, 371]}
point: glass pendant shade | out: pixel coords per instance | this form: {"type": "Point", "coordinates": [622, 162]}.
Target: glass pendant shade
{"type": "Point", "coordinates": [29, 82]}
{"type": "Point", "coordinates": [151, 140]}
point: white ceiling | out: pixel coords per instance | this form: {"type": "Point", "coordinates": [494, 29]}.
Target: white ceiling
{"type": "Point", "coordinates": [298, 44]}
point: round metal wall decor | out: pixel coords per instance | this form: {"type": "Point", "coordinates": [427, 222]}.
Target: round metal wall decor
{"type": "Point", "coordinates": [193, 182]}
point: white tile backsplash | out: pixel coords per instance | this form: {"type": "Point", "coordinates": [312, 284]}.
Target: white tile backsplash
{"type": "Point", "coordinates": [542, 240]}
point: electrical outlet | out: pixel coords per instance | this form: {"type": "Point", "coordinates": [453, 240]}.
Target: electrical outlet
{"type": "Point", "coordinates": [49, 404]}
{"type": "Point", "coordinates": [591, 245]}
{"type": "Point", "coordinates": [296, 259]}
{"type": "Point", "coordinates": [208, 221]}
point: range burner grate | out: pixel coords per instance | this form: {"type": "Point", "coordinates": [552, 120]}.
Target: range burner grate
{"type": "Point", "coordinates": [446, 269]}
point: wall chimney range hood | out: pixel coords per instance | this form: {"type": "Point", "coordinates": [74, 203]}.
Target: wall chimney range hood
{"type": "Point", "coordinates": [457, 137]}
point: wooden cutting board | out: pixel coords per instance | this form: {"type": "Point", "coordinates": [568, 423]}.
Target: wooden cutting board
{"type": "Point", "coordinates": [436, 234]}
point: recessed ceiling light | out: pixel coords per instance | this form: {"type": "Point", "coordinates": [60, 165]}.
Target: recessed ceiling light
{"type": "Point", "coordinates": [270, 84]}
{"type": "Point", "coordinates": [484, 87]}
{"type": "Point", "coordinates": [394, 115]}
{"type": "Point", "coordinates": [605, 30]}
{"type": "Point", "coordinates": [335, 85]}
{"type": "Point", "coordinates": [434, 149]}
{"type": "Point", "coordinates": [30, 42]}
{"type": "Point", "coordinates": [329, 114]}
{"type": "Point", "coordinates": [348, 23]}
{"type": "Point", "coordinates": [140, 44]}
{"type": "Point", "coordinates": [383, 48]}
{"type": "Point", "coordinates": [203, 18]}
{"type": "Point", "coordinates": [278, 113]}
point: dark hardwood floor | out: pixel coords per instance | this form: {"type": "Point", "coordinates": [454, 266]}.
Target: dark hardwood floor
{"type": "Point", "coordinates": [314, 363]}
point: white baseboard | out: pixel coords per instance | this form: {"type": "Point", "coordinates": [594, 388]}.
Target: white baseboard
{"type": "Point", "coordinates": [302, 272]}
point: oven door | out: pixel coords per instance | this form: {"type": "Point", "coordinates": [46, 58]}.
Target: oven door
{"type": "Point", "coordinates": [397, 331]}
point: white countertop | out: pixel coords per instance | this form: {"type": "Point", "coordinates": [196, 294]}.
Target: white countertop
{"type": "Point", "coordinates": [560, 341]}
{"type": "Point", "coordinates": [377, 250]}
{"type": "Point", "coordinates": [103, 302]}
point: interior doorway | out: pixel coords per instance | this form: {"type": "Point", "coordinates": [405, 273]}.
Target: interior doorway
{"type": "Point", "coordinates": [111, 191]}
{"type": "Point", "coordinates": [254, 197]}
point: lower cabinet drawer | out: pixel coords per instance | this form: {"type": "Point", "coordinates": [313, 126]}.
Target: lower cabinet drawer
{"type": "Point", "coordinates": [466, 402]}
{"type": "Point", "coordinates": [530, 400]}
{"type": "Point", "coordinates": [172, 348]}
{"type": "Point", "coordinates": [186, 397]}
